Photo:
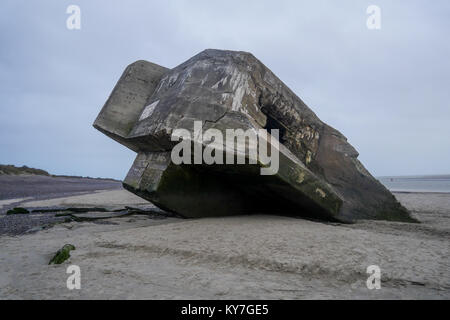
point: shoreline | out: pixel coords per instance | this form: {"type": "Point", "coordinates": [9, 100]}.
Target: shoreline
{"type": "Point", "coordinates": [414, 191]}
{"type": "Point", "coordinates": [41, 187]}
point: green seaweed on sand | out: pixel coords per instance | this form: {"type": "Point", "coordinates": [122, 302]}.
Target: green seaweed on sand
{"type": "Point", "coordinates": [62, 254]}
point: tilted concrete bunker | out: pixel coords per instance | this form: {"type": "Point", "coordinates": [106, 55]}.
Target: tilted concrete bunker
{"type": "Point", "coordinates": [319, 174]}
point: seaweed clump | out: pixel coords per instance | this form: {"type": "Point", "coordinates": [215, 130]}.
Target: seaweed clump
{"type": "Point", "coordinates": [62, 254]}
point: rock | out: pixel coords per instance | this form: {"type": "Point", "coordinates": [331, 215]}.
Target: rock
{"type": "Point", "coordinates": [62, 254]}
{"type": "Point", "coordinates": [67, 211]}
{"type": "Point", "coordinates": [92, 216]}
{"type": "Point", "coordinates": [34, 229]}
{"type": "Point", "coordinates": [319, 175]}
{"type": "Point", "coordinates": [17, 211]}
{"type": "Point", "coordinates": [64, 214]}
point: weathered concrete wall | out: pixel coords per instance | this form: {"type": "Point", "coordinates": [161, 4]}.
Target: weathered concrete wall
{"type": "Point", "coordinates": [319, 176]}
{"type": "Point", "coordinates": [128, 99]}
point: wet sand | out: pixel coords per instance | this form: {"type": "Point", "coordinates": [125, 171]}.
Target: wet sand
{"type": "Point", "coordinates": [243, 257]}
{"type": "Point", "coordinates": [45, 187]}
{"type": "Point", "coordinates": [17, 189]}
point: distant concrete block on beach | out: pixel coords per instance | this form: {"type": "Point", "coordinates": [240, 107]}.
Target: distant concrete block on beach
{"type": "Point", "coordinates": [319, 175]}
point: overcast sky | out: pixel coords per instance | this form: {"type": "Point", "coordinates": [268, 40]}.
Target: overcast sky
{"type": "Point", "coordinates": [387, 90]}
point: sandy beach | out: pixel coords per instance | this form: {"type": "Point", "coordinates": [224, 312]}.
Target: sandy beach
{"type": "Point", "coordinates": [242, 257]}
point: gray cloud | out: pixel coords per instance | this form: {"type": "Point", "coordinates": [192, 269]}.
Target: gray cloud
{"type": "Point", "coordinates": [386, 90]}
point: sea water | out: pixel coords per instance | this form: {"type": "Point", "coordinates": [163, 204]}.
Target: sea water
{"type": "Point", "coordinates": [435, 183]}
